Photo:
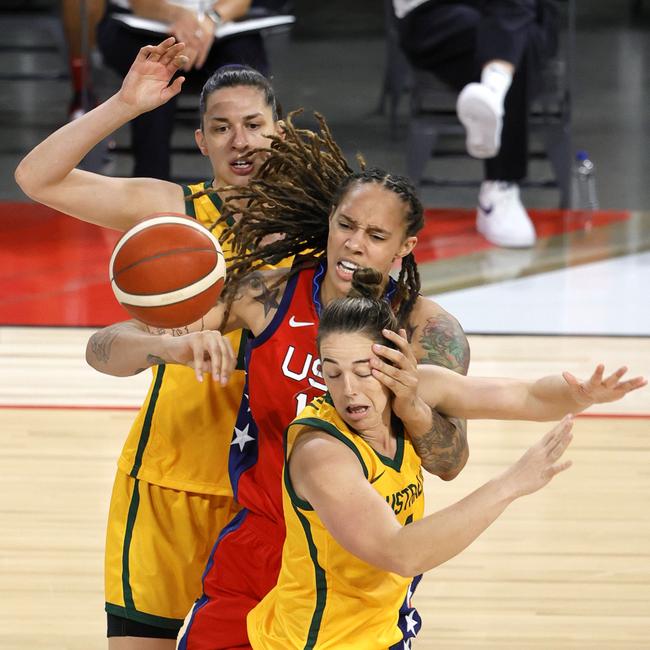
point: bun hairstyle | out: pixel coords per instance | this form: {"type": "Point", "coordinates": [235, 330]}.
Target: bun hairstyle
{"type": "Point", "coordinates": [363, 311]}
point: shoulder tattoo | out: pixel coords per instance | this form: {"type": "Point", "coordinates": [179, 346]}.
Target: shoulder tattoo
{"type": "Point", "coordinates": [444, 343]}
{"type": "Point", "coordinates": [259, 290]}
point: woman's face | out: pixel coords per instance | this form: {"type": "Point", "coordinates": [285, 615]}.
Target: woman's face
{"type": "Point", "coordinates": [360, 399]}
{"type": "Point", "coordinates": [367, 229]}
{"type": "Point", "coordinates": [236, 121]}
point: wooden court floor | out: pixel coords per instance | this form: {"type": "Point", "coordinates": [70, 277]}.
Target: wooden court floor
{"type": "Point", "coordinates": [566, 568]}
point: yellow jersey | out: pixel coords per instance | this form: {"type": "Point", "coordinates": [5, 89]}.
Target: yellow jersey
{"type": "Point", "coordinates": [181, 437]}
{"type": "Point", "coordinates": [326, 597]}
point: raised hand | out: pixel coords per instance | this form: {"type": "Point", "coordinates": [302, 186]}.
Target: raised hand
{"type": "Point", "coordinates": [400, 375]}
{"type": "Point", "coordinates": [206, 351]}
{"type": "Point", "coordinates": [597, 389]}
{"type": "Point", "coordinates": [146, 85]}
{"type": "Point", "coordinates": [540, 463]}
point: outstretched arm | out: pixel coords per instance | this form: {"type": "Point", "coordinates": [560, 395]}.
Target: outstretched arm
{"type": "Point", "coordinates": [548, 398]}
{"type": "Point", "coordinates": [48, 175]}
{"type": "Point", "coordinates": [130, 347]}
{"type": "Point", "coordinates": [328, 475]}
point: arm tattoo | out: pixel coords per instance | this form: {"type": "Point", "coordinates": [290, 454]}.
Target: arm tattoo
{"type": "Point", "coordinates": [155, 361]}
{"type": "Point", "coordinates": [102, 341]}
{"type": "Point", "coordinates": [260, 291]}
{"type": "Point", "coordinates": [175, 331]}
{"type": "Point", "coordinates": [443, 448]}
{"type": "Point", "coordinates": [445, 344]}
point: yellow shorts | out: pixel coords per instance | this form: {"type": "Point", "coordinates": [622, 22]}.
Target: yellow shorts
{"type": "Point", "coordinates": [157, 544]}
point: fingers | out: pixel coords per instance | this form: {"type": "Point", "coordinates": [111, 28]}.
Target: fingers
{"type": "Point", "coordinates": [172, 54]}
{"type": "Point", "coordinates": [570, 379]}
{"type": "Point", "coordinates": [631, 384]}
{"type": "Point", "coordinates": [551, 438]}
{"type": "Point", "coordinates": [173, 89]}
{"type": "Point", "coordinates": [597, 377]}
{"type": "Point", "coordinates": [614, 378]}
{"type": "Point", "coordinates": [400, 339]}
{"type": "Point", "coordinates": [155, 52]}
{"type": "Point", "coordinates": [558, 467]}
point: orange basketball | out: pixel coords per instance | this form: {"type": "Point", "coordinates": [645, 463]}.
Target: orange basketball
{"type": "Point", "coordinates": [168, 270]}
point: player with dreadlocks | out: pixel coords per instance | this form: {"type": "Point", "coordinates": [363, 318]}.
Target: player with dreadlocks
{"type": "Point", "coordinates": [307, 192]}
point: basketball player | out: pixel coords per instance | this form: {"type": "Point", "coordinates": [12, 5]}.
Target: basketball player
{"type": "Point", "coordinates": [352, 480]}
{"type": "Point", "coordinates": [307, 192]}
{"type": "Point", "coordinates": [172, 493]}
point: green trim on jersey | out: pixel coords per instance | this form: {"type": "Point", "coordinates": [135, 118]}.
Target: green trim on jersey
{"type": "Point", "coordinates": [128, 534]}
{"type": "Point", "coordinates": [146, 425]}
{"type": "Point", "coordinates": [141, 617]}
{"type": "Point", "coordinates": [189, 205]}
{"type": "Point", "coordinates": [218, 203]}
{"type": "Point", "coordinates": [320, 425]}
{"type": "Point", "coordinates": [394, 463]}
{"type": "Point", "coordinates": [321, 583]}
{"type": "Point", "coordinates": [241, 356]}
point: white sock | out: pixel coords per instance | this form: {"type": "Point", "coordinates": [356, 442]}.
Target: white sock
{"type": "Point", "coordinates": [497, 78]}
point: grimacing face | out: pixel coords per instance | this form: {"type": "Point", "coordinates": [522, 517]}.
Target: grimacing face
{"type": "Point", "coordinates": [237, 120]}
{"type": "Point", "coordinates": [367, 229]}
{"type": "Point", "coordinates": [362, 401]}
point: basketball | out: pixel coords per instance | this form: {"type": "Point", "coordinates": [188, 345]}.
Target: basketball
{"type": "Point", "coordinates": [168, 270]}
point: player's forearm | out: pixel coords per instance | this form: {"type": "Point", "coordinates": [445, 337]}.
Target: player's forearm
{"type": "Point", "coordinates": [427, 543]}
{"type": "Point", "coordinates": [440, 442]}
{"type": "Point", "coordinates": [54, 159]}
{"type": "Point", "coordinates": [125, 349]}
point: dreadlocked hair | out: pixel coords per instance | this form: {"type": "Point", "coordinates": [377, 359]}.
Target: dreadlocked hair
{"type": "Point", "coordinates": [292, 196]}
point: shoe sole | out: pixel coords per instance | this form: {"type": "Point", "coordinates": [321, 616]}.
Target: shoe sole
{"type": "Point", "coordinates": [482, 124]}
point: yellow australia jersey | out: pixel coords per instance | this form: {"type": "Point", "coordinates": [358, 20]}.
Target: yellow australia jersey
{"type": "Point", "coordinates": [327, 598]}
{"type": "Point", "coordinates": [181, 437]}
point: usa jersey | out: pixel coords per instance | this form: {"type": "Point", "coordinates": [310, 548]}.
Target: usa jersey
{"type": "Point", "coordinates": [326, 597]}
{"type": "Point", "coordinates": [283, 376]}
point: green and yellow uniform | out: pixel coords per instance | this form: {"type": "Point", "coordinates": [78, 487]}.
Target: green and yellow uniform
{"type": "Point", "coordinates": [172, 494]}
{"type": "Point", "coordinates": [325, 596]}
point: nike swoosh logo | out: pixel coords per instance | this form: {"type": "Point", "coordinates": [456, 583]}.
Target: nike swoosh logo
{"type": "Point", "coordinates": [297, 323]}
{"type": "Point", "coordinates": [374, 480]}
{"type": "Point", "coordinates": [484, 209]}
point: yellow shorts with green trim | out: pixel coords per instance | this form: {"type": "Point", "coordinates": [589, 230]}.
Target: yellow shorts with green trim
{"type": "Point", "coordinates": [157, 544]}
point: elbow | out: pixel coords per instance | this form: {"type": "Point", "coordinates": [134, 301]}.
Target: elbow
{"type": "Point", "coordinates": [27, 181]}
{"type": "Point", "coordinates": [449, 469]}
{"type": "Point", "coordinates": [403, 566]}
{"type": "Point", "coordinates": [22, 178]}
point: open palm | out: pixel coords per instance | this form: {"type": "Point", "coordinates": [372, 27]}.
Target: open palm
{"type": "Point", "coordinates": [146, 85]}
{"type": "Point", "coordinates": [598, 389]}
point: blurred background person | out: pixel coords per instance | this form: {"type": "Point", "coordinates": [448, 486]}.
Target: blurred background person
{"type": "Point", "coordinates": [491, 52]}
{"type": "Point", "coordinates": [194, 23]}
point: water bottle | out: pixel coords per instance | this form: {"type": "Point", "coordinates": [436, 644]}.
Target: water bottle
{"type": "Point", "coordinates": [584, 186]}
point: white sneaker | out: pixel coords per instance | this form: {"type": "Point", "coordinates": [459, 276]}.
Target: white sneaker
{"type": "Point", "coordinates": [501, 217]}
{"type": "Point", "coordinates": [481, 113]}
